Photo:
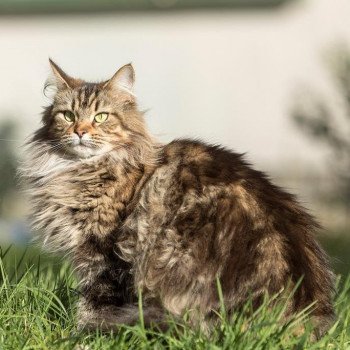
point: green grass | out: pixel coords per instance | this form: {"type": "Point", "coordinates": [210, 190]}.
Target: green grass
{"type": "Point", "coordinates": [37, 311]}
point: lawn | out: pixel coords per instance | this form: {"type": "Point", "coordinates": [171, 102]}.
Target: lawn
{"type": "Point", "coordinates": [37, 311]}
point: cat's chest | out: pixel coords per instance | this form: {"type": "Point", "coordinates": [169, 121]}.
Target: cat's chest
{"type": "Point", "coordinates": [77, 202]}
{"type": "Point", "coordinates": [79, 189]}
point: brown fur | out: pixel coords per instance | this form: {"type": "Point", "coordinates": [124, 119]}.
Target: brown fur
{"type": "Point", "coordinates": [166, 219]}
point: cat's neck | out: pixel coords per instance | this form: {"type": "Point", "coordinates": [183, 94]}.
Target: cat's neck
{"type": "Point", "coordinates": [43, 162]}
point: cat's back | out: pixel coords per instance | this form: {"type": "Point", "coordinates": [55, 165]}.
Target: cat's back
{"type": "Point", "coordinates": [193, 176]}
{"type": "Point", "coordinates": [198, 179]}
{"type": "Point", "coordinates": [200, 167]}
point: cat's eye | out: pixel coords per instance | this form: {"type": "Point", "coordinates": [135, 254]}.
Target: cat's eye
{"type": "Point", "coordinates": [69, 116]}
{"type": "Point", "coordinates": [101, 117]}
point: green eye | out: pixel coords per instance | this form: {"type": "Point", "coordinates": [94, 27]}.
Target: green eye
{"type": "Point", "coordinates": [101, 117]}
{"type": "Point", "coordinates": [69, 116]}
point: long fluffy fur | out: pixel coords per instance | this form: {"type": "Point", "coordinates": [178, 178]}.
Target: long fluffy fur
{"type": "Point", "coordinates": [168, 220]}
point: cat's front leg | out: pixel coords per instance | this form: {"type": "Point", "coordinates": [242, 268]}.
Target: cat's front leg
{"type": "Point", "coordinates": [107, 293]}
{"type": "Point", "coordinates": [105, 283]}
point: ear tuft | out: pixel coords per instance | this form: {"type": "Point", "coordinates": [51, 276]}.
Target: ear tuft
{"type": "Point", "coordinates": [61, 79]}
{"type": "Point", "coordinates": [123, 79]}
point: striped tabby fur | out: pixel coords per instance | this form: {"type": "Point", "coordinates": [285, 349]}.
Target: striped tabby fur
{"type": "Point", "coordinates": [168, 219]}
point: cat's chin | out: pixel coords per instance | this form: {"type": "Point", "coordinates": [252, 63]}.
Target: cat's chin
{"type": "Point", "coordinates": [84, 152]}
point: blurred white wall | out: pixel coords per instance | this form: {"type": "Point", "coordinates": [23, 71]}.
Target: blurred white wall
{"type": "Point", "coordinates": [226, 77]}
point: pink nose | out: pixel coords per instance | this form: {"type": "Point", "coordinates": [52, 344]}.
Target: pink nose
{"type": "Point", "coordinates": [80, 132]}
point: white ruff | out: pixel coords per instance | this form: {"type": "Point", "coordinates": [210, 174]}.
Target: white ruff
{"type": "Point", "coordinates": [42, 164]}
{"type": "Point", "coordinates": [53, 186]}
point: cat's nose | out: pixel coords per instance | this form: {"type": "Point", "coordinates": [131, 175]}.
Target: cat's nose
{"type": "Point", "coordinates": [80, 132]}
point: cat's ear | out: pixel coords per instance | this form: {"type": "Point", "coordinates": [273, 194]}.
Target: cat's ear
{"type": "Point", "coordinates": [61, 79]}
{"type": "Point", "coordinates": [124, 79]}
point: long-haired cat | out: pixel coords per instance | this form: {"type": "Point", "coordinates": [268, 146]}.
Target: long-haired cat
{"type": "Point", "coordinates": [169, 220]}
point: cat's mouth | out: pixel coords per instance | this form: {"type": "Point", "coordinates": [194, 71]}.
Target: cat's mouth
{"type": "Point", "coordinates": [81, 147]}
{"type": "Point", "coordinates": [81, 143]}
{"type": "Point", "coordinates": [82, 150]}
{"type": "Point", "coordinates": [87, 149]}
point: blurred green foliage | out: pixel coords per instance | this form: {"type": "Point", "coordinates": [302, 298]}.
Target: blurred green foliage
{"type": "Point", "coordinates": [337, 246]}
{"type": "Point", "coordinates": [318, 119]}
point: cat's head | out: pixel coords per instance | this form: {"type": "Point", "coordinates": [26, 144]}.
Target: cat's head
{"type": "Point", "coordinates": [89, 119]}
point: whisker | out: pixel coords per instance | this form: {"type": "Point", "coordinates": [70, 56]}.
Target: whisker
{"type": "Point", "coordinates": [11, 140]}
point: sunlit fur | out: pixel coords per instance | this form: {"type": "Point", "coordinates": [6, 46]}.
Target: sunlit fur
{"type": "Point", "coordinates": [168, 220]}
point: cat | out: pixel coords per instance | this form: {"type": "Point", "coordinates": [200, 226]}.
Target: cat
{"type": "Point", "coordinates": [167, 220]}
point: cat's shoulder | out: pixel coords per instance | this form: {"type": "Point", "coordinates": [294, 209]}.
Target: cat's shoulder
{"type": "Point", "coordinates": [207, 162]}
{"type": "Point", "coordinates": [193, 151]}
